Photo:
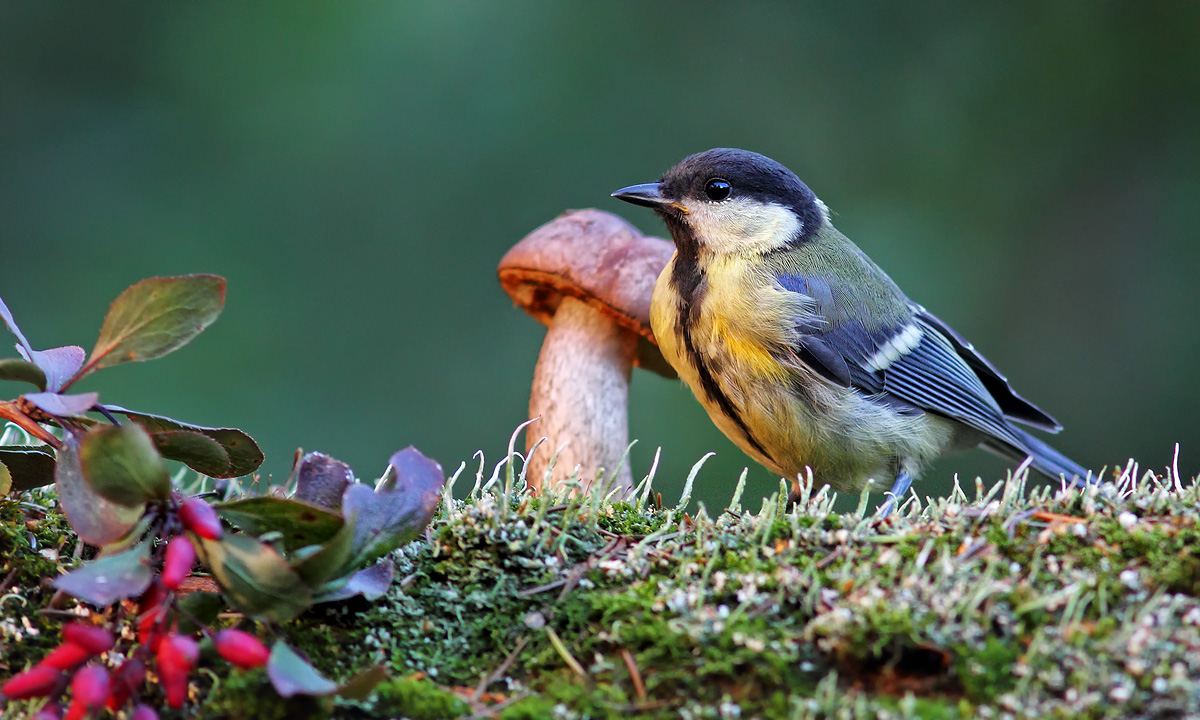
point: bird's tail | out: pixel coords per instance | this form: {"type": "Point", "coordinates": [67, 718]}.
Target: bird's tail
{"type": "Point", "coordinates": [1046, 459]}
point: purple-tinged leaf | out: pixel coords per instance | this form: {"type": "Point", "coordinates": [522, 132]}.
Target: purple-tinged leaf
{"type": "Point", "coordinates": [293, 675]}
{"type": "Point", "coordinates": [121, 464]}
{"type": "Point", "coordinates": [60, 364]}
{"type": "Point", "coordinates": [96, 520]}
{"type": "Point", "coordinates": [398, 512]}
{"type": "Point", "coordinates": [58, 405]}
{"type": "Point", "coordinates": [155, 317]}
{"type": "Point", "coordinates": [31, 467]}
{"type": "Point", "coordinates": [372, 583]}
{"type": "Point", "coordinates": [6, 315]}
{"type": "Point", "coordinates": [299, 523]}
{"type": "Point", "coordinates": [321, 480]}
{"type": "Point", "coordinates": [244, 454]}
{"type": "Point", "coordinates": [109, 578]}
{"type": "Point", "coordinates": [199, 452]}
{"type": "Point", "coordinates": [18, 370]}
{"type": "Point", "coordinates": [256, 578]}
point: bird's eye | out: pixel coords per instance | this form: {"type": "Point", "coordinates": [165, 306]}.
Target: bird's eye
{"type": "Point", "coordinates": [717, 189]}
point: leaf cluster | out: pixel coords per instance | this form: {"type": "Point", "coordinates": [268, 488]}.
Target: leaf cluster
{"type": "Point", "coordinates": [315, 541]}
{"type": "Point", "coordinates": [148, 320]}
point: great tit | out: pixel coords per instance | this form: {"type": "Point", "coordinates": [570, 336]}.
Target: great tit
{"type": "Point", "coordinates": [803, 351]}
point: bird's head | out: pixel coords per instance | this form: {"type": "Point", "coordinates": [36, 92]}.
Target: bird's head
{"type": "Point", "coordinates": [730, 201]}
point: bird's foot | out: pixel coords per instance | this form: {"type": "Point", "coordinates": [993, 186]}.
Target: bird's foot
{"type": "Point", "coordinates": [896, 494]}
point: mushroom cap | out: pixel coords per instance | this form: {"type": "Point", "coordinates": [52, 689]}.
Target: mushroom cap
{"type": "Point", "coordinates": [597, 258]}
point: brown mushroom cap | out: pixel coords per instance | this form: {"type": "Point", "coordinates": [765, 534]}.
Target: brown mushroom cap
{"type": "Point", "coordinates": [597, 258]}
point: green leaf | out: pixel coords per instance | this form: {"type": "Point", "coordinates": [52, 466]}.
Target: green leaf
{"type": "Point", "coordinates": [330, 560]}
{"type": "Point", "coordinates": [372, 583]}
{"type": "Point", "coordinates": [299, 523]}
{"type": "Point", "coordinates": [360, 686]}
{"type": "Point", "coordinates": [18, 370]}
{"type": "Point", "coordinates": [6, 482]}
{"type": "Point", "coordinates": [199, 452]}
{"type": "Point", "coordinates": [244, 454]}
{"type": "Point", "coordinates": [396, 513]}
{"type": "Point", "coordinates": [293, 675]}
{"type": "Point", "coordinates": [110, 578]}
{"type": "Point", "coordinates": [95, 519]}
{"type": "Point", "coordinates": [203, 607]}
{"type": "Point", "coordinates": [256, 578]}
{"type": "Point", "coordinates": [31, 467]}
{"type": "Point", "coordinates": [121, 464]}
{"type": "Point", "coordinates": [155, 317]}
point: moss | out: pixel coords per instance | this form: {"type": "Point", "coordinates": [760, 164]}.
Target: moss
{"type": "Point", "coordinates": [35, 543]}
{"type": "Point", "coordinates": [986, 672]}
{"type": "Point", "coordinates": [417, 699]}
{"type": "Point", "coordinates": [1021, 602]}
{"type": "Point", "coordinates": [242, 696]}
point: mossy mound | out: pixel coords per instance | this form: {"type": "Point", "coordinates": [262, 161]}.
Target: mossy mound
{"type": "Point", "coordinates": [1009, 603]}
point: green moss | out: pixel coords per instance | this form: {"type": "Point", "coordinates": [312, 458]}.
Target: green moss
{"type": "Point", "coordinates": [243, 696]}
{"type": "Point", "coordinates": [417, 699]}
{"type": "Point", "coordinates": [986, 673]}
{"type": "Point", "coordinates": [574, 608]}
{"type": "Point", "coordinates": [33, 545]}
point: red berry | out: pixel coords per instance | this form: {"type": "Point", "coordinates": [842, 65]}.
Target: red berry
{"type": "Point", "coordinates": [241, 648]}
{"type": "Point", "coordinates": [150, 613]}
{"type": "Point", "coordinates": [126, 679]}
{"type": "Point", "coordinates": [199, 517]}
{"type": "Point", "coordinates": [36, 682]}
{"type": "Point", "coordinates": [76, 711]}
{"type": "Point", "coordinates": [89, 687]}
{"type": "Point", "coordinates": [67, 656]}
{"type": "Point", "coordinates": [178, 563]}
{"type": "Point", "coordinates": [143, 712]}
{"type": "Point", "coordinates": [175, 685]}
{"type": "Point", "coordinates": [94, 639]}
{"type": "Point", "coordinates": [152, 598]}
{"type": "Point", "coordinates": [177, 655]}
{"type": "Point", "coordinates": [178, 651]}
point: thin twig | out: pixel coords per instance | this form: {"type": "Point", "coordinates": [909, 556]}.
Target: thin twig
{"type": "Point", "coordinates": [634, 674]}
{"type": "Point", "coordinates": [486, 681]}
{"type": "Point", "coordinates": [566, 655]}
{"type": "Point", "coordinates": [493, 710]}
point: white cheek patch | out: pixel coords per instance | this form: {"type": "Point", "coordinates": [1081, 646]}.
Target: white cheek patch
{"type": "Point", "coordinates": [742, 226]}
{"type": "Point", "coordinates": [895, 347]}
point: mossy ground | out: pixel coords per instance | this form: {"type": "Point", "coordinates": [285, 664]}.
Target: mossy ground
{"type": "Point", "coordinates": [1009, 602]}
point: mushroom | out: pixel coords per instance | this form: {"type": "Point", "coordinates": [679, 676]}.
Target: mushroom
{"type": "Point", "coordinates": [588, 277]}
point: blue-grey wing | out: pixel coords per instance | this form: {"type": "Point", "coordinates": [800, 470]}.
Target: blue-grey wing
{"type": "Point", "coordinates": [908, 361]}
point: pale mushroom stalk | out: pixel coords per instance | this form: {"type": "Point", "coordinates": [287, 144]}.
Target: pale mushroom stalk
{"type": "Point", "coordinates": [588, 276]}
{"type": "Point", "coordinates": [580, 395]}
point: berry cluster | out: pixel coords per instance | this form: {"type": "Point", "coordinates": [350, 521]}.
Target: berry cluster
{"type": "Point", "coordinates": [77, 663]}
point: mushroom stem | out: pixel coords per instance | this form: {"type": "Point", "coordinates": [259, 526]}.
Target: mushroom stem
{"type": "Point", "coordinates": [581, 395]}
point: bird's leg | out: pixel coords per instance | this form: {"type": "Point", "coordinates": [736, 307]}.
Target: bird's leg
{"type": "Point", "coordinates": [896, 494]}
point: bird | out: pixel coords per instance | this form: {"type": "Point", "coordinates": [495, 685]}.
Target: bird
{"type": "Point", "coordinates": [804, 352]}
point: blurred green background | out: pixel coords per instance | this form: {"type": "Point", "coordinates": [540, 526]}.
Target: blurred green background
{"type": "Point", "coordinates": [1030, 172]}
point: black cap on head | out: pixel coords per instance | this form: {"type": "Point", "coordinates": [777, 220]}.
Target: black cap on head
{"type": "Point", "coordinates": [748, 174]}
{"type": "Point", "coordinates": [721, 174]}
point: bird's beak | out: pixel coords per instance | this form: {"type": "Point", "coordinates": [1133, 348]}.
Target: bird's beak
{"type": "Point", "coordinates": [648, 195]}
